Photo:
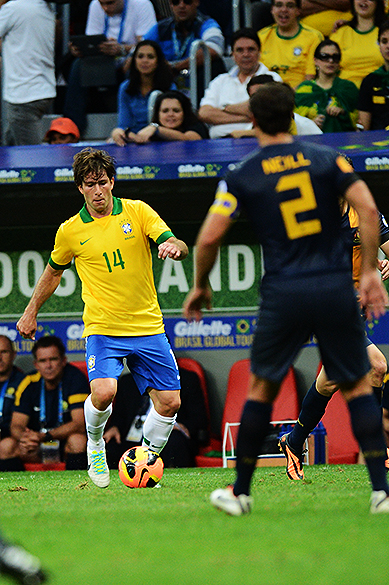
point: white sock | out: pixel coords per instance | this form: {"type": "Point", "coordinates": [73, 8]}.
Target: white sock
{"type": "Point", "coordinates": [95, 421]}
{"type": "Point", "coordinates": [156, 430]}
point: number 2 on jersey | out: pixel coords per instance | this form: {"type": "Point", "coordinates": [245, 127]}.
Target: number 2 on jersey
{"type": "Point", "coordinates": [117, 260]}
{"type": "Point", "coordinates": [306, 202]}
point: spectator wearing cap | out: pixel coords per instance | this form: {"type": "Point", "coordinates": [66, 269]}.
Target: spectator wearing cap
{"type": "Point", "coordinates": [62, 131]}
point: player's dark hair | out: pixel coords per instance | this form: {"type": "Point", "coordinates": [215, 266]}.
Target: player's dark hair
{"type": "Point", "coordinates": [384, 26]}
{"type": "Point", "coordinates": [379, 14]}
{"type": "Point", "coordinates": [245, 33]}
{"type": "Point", "coordinates": [90, 161]}
{"type": "Point", "coordinates": [49, 341]}
{"type": "Point", "coordinates": [272, 107]}
{"type": "Point", "coordinates": [9, 341]}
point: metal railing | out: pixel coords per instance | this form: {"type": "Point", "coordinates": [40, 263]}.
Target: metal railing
{"type": "Point", "coordinates": [236, 14]}
{"type": "Point", "coordinates": [194, 48]}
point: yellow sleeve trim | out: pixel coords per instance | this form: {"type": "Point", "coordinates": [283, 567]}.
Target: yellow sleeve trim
{"type": "Point", "coordinates": [74, 398]}
{"type": "Point", "coordinates": [23, 385]}
{"type": "Point", "coordinates": [224, 204]}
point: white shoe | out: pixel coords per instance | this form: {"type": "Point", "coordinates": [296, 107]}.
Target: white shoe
{"type": "Point", "coordinates": [224, 499]}
{"type": "Point", "coordinates": [379, 502]}
{"type": "Point", "coordinates": [97, 467]}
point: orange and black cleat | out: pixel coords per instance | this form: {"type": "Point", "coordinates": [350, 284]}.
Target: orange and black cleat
{"type": "Point", "coordinates": [294, 461]}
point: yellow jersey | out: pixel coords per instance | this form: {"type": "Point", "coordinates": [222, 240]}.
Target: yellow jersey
{"type": "Point", "coordinates": [290, 57]}
{"type": "Point", "coordinates": [360, 53]}
{"type": "Point", "coordinates": [113, 260]}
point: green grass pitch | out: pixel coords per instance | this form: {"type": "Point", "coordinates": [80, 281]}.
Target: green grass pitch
{"type": "Point", "coordinates": [314, 532]}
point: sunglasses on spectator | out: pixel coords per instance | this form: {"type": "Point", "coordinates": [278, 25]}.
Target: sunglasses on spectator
{"type": "Point", "coordinates": [176, 2]}
{"type": "Point", "coordinates": [327, 57]}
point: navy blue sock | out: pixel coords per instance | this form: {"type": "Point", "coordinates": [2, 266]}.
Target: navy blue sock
{"type": "Point", "coordinates": [254, 426]}
{"type": "Point", "coordinates": [367, 426]}
{"type": "Point", "coordinates": [312, 410]}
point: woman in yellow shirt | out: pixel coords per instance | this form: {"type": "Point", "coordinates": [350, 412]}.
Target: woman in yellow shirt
{"type": "Point", "coordinates": [358, 40]}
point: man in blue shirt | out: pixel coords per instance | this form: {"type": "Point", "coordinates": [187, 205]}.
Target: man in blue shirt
{"type": "Point", "coordinates": [177, 33]}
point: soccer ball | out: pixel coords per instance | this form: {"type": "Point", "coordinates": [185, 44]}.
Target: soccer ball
{"type": "Point", "coordinates": [139, 468]}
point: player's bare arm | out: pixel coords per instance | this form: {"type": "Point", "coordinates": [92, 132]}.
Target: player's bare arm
{"type": "Point", "coordinates": [45, 287]}
{"type": "Point", "coordinates": [372, 293]}
{"type": "Point", "coordinates": [383, 265]}
{"type": "Point", "coordinates": [173, 248]}
{"type": "Point", "coordinates": [208, 241]}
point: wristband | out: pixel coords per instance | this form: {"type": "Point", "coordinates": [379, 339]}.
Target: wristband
{"type": "Point", "coordinates": [48, 437]}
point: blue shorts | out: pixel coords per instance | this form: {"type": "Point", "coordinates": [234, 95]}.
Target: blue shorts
{"type": "Point", "coordinates": [149, 358]}
{"type": "Point", "coordinates": [321, 305]}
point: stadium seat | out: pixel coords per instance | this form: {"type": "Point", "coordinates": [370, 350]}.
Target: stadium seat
{"type": "Point", "coordinates": [214, 443]}
{"type": "Point", "coordinates": [81, 366]}
{"type": "Point", "coordinates": [58, 466]}
{"type": "Point", "coordinates": [341, 443]}
{"type": "Point", "coordinates": [286, 405]}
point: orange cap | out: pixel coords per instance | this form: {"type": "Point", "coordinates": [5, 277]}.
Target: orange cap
{"type": "Point", "coordinates": [63, 126]}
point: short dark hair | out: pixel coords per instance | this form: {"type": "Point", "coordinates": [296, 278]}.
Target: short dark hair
{"type": "Point", "coordinates": [272, 107]}
{"type": "Point", "coordinates": [90, 161]}
{"type": "Point", "coordinates": [49, 341]}
{"type": "Point", "coordinates": [298, 3]}
{"type": "Point", "coordinates": [245, 33]}
{"type": "Point", "coordinates": [10, 342]}
{"type": "Point", "coordinates": [384, 26]}
{"type": "Point", "coordinates": [260, 80]}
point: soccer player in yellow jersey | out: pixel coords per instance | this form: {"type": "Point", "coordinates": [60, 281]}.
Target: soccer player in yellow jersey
{"type": "Point", "coordinates": [288, 45]}
{"type": "Point", "coordinates": [108, 240]}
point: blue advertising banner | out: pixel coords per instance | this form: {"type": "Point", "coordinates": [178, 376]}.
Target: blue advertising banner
{"type": "Point", "coordinates": [213, 332]}
{"type": "Point", "coordinates": [176, 160]}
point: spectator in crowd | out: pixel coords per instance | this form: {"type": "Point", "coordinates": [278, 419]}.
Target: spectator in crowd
{"type": "Point", "coordinates": [62, 131]}
{"type": "Point", "coordinates": [125, 426]}
{"type": "Point", "coordinates": [288, 45]}
{"type": "Point", "coordinates": [358, 40]}
{"type": "Point", "coordinates": [49, 407]}
{"type": "Point", "coordinates": [149, 71]}
{"type": "Point", "coordinates": [229, 88]}
{"type": "Point", "coordinates": [176, 35]}
{"type": "Point", "coordinates": [27, 33]}
{"type": "Point", "coordinates": [173, 119]}
{"type": "Point", "coordinates": [300, 125]}
{"type": "Point", "coordinates": [10, 378]}
{"type": "Point", "coordinates": [323, 15]}
{"type": "Point", "coordinates": [123, 23]}
{"type": "Point", "coordinates": [328, 100]}
{"type": "Point", "coordinates": [373, 102]}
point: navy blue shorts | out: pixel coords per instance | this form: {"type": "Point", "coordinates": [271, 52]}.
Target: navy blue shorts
{"type": "Point", "coordinates": [291, 312]}
{"type": "Point", "coordinates": [149, 358]}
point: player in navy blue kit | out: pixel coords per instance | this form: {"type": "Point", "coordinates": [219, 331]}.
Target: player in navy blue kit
{"type": "Point", "coordinates": [321, 391]}
{"type": "Point", "coordinates": [290, 192]}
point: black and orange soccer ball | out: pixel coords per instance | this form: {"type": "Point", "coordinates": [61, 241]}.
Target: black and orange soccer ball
{"type": "Point", "coordinates": [139, 468]}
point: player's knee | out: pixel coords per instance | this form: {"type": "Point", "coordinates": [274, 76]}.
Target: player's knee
{"type": "Point", "coordinates": [378, 372]}
{"type": "Point", "coordinates": [75, 443]}
{"type": "Point", "coordinates": [168, 403]}
{"type": "Point", "coordinates": [8, 448]}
